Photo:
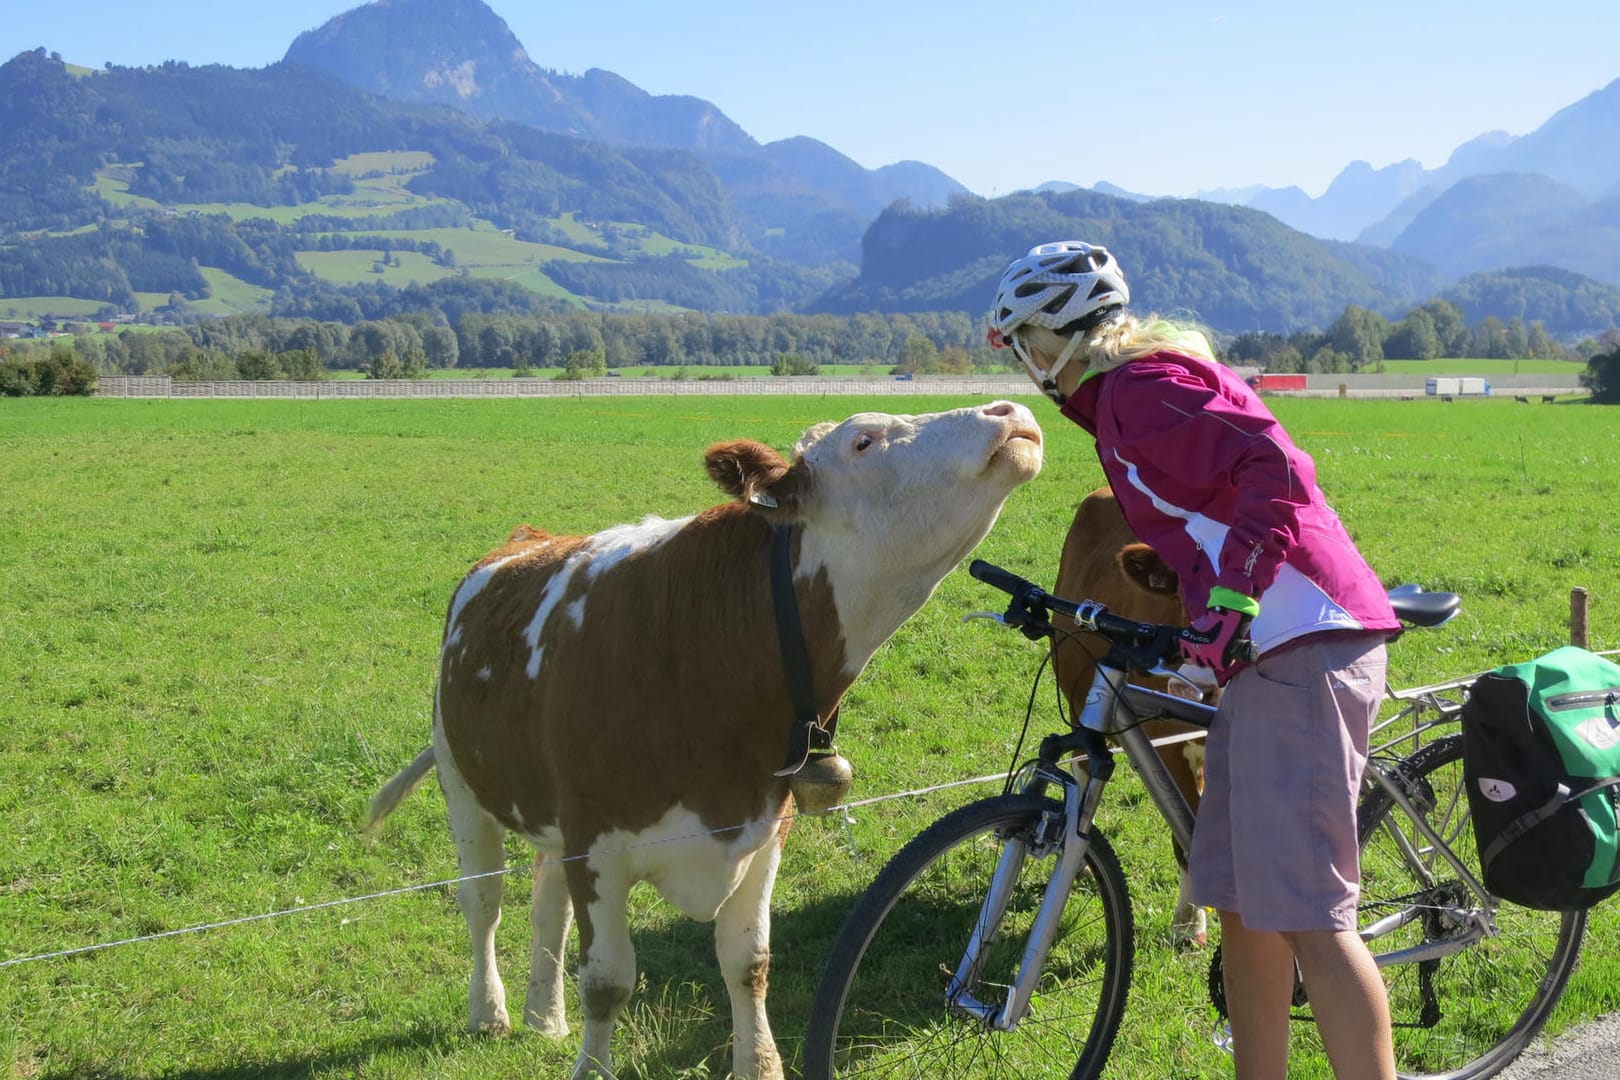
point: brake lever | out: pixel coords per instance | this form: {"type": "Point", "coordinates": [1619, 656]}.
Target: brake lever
{"type": "Point", "coordinates": [1179, 675]}
{"type": "Point", "coordinates": [1031, 624]}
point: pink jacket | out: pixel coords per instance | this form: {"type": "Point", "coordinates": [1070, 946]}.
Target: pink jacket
{"type": "Point", "coordinates": [1206, 476]}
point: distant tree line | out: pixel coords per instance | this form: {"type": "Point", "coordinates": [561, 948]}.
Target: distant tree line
{"type": "Point", "coordinates": [53, 371]}
{"type": "Point", "coordinates": [1361, 340]}
{"type": "Point", "coordinates": [156, 253]}
{"type": "Point", "coordinates": [181, 173]}
{"type": "Point", "coordinates": [581, 343]}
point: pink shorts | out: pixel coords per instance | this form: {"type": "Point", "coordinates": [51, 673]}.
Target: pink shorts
{"type": "Point", "coordinates": [1275, 840]}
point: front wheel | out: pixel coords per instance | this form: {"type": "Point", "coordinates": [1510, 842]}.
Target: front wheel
{"type": "Point", "coordinates": [881, 1008]}
{"type": "Point", "coordinates": [1467, 1015]}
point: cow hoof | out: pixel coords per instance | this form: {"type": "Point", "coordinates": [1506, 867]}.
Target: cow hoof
{"type": "Point", "coordinates": [496, 1026]}
{"type": "Point", "coordinates": [589, 1068]}
{"type": "Point", "coordinates": [821, 783]}
{"type": "Point", "coordinates": [551, 1025]}
{"type": "Point", "coordinates": [1189, 942]}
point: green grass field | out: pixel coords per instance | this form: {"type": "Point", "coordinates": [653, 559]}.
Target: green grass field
{"type": "Point", "coordinates": [32, 307]}
{"type": "Point", "coordinates": [692, 373]}
{"type": "Point", "coordinates": [491, 247]}
{"type": "Point", "coordinates": [1489, 368]}
{"type": "Point", "coordinates": [356, 267]}
{"type": "Point", "coordinates": [230, 295]}
{"type": "Point", "coordinates": [218, 639]}
{"type": "Point", "coordinates": [384, 161]}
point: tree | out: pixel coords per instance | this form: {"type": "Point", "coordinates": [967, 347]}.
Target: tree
{"type": "Point", "coordinates": [1414, 338]}
{"type": "Point", "coordinates": [1542, 346]}
{"type": "Point", "coordinates": [413, 362]}
{"type": "Point", "coordinates": [58, 372]}
{"type": "Point", "coordinates": [1359, 335]}
{"type": "Point", "coordinates": [385, 365]}
{"type": "Point", "coordinates": [954, 360]}
{"type": "Point", "coordinates": [441, 347]}
{"type": "Point", "coordinates": [303, 364]}
{"type": "Point", "coordinates": [1517, 340]}
{"type": "Point", "coordinates": [1602, 377]}
{"type": "Point", "coordinates": [497, 343]}
{"type": "Point", "coordinates": [794, 364]}
{"type": "Point", "coordinates": [1328, 360]}
{"type": "Point", "coordinates": [1449, 326]}
{"type": "Point", "coordinates": [1285, 360]}
{"type": "Point", "coordinates": [918, 357]}
{"type": "Point", "coordinates": [585, 364]}
{"type": "Point", "coordinates": [257, 364]}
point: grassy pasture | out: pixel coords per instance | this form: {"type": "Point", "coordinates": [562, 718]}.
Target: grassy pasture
{"type": "Point", "coordinates": [356, 267]}
{"type": "Point", "coordinates": [218, 637]}
{"type": "Point", "coordinates": [32, 307]}
{"type": "Point", "coordinates": [650, 242]}
{"type": "Point", "coordinates": [230, 295]}
{"type": "Point", "coordinates": [1490, 368]}
{"type": "Point", "coordinates": [384, 161]}
{"type": "Point", "coordinates": [491, 247]}
{"type": "Point", "coordinates": [691, 373]}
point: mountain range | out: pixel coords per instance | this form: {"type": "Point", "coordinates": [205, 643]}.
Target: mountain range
{"type": "Point", "coordinates": [1577, 148]}
{"type": "Point", "coordinates": [461, 54]}
{"type": "Point", "coordinates": [421, 131]}
{"type": "Point", "coordinates": [485, 70]}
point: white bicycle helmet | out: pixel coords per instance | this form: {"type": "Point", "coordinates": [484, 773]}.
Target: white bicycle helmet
{"type": "Point", "coordinates": [1056, 285]}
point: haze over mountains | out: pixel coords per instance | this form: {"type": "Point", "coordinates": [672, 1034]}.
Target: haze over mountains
{"type": "Point", "coordinates": [401, 120]}
{"type": "Point", "coordinates": [1578, 148]}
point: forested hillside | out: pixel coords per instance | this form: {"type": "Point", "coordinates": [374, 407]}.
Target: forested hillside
{"type": "Point", "coordinates": [1234, 268]}
{"type": "Point", "coordinates": [137, 181]}
{"type": "Point", "coordinates": [180, 193]}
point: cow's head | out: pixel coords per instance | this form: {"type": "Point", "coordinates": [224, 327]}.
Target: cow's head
{"type": "Point", "coordinates": [889, 503]}
{"type": "Point", "coordinates": [1143, 568]}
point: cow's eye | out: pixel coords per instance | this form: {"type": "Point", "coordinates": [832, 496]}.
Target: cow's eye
{"type": "Point", "coordinates": [863, 442]}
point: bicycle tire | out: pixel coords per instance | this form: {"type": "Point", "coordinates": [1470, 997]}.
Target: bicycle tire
{"type": "Point", "coordinates": [1493, 996]}
{"type": "Point", "coordinates": [880, 1008]}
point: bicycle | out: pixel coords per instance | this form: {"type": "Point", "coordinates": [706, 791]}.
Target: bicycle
{"type": "Point", "coordinates": [1000, 941]}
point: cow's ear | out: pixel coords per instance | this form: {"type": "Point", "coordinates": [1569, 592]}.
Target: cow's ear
{"type": "Point", "coordinates": [754, 473]}
{"type": "Point", "coordinates": [1143, 566]}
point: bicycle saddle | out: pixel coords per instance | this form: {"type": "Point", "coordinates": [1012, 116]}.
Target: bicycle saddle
{"type": "Point", "coordinates": [1413, 605]}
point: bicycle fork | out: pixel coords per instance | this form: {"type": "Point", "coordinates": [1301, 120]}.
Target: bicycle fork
{"type": "Point", "coordinates": [1081, 795]}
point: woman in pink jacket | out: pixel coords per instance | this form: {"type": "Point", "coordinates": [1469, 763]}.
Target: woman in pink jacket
{"type": "Point", "coordinates": [1206, 476]}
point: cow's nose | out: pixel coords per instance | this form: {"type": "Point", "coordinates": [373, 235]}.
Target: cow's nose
{"type": "Point", "coordinates": [1001, 408]}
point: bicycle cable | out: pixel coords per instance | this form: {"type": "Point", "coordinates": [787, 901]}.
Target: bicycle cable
{"type": "Point", "coordinates": [1023, 732]}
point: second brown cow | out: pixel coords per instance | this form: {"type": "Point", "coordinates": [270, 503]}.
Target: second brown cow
{"type": "Point", "coordinates": [1103, 561]}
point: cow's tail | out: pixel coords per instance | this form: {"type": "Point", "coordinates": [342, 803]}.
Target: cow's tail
{"type": "Point", "coordinates": [396, 791]}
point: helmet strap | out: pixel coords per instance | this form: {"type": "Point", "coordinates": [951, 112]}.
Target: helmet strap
{"type": "Point", "coordinates": [1047, 378]}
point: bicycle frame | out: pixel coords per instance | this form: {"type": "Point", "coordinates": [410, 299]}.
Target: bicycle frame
{"type": "Point", "coordinates": [1115, 709]}
{"type": "Point", "coordinates": [1480, 922]}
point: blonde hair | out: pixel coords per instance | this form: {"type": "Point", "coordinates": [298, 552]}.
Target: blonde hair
{"type": "Point", "coordinates": [1119, 341]}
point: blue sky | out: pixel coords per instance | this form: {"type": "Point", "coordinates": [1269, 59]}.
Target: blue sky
{"type": "Point", "coordinates": [1166, 97]}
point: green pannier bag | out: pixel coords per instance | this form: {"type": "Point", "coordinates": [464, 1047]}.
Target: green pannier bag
{"type": "Point", "coordinates": [1541, 759]}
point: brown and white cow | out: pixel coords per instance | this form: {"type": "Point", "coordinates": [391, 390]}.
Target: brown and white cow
{"type": "Point", "coordinates": [619, 700]}
{"type": "Point", "coordinates": [1104, 561]}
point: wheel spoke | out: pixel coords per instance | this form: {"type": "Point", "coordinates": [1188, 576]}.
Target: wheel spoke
{"type": "Point", "coordinates": [1481, 1005]}
{"type": "Point", "coordinates": [896, 956]}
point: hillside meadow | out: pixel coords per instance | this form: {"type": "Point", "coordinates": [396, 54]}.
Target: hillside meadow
{"type": "Point", "coordinates": [218, 637]}
{"type": "Point", "coordinates": [481, 248]}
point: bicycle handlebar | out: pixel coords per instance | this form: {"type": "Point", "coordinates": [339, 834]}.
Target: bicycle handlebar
{"type": "Point", "coordinates": [1145, 644]}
